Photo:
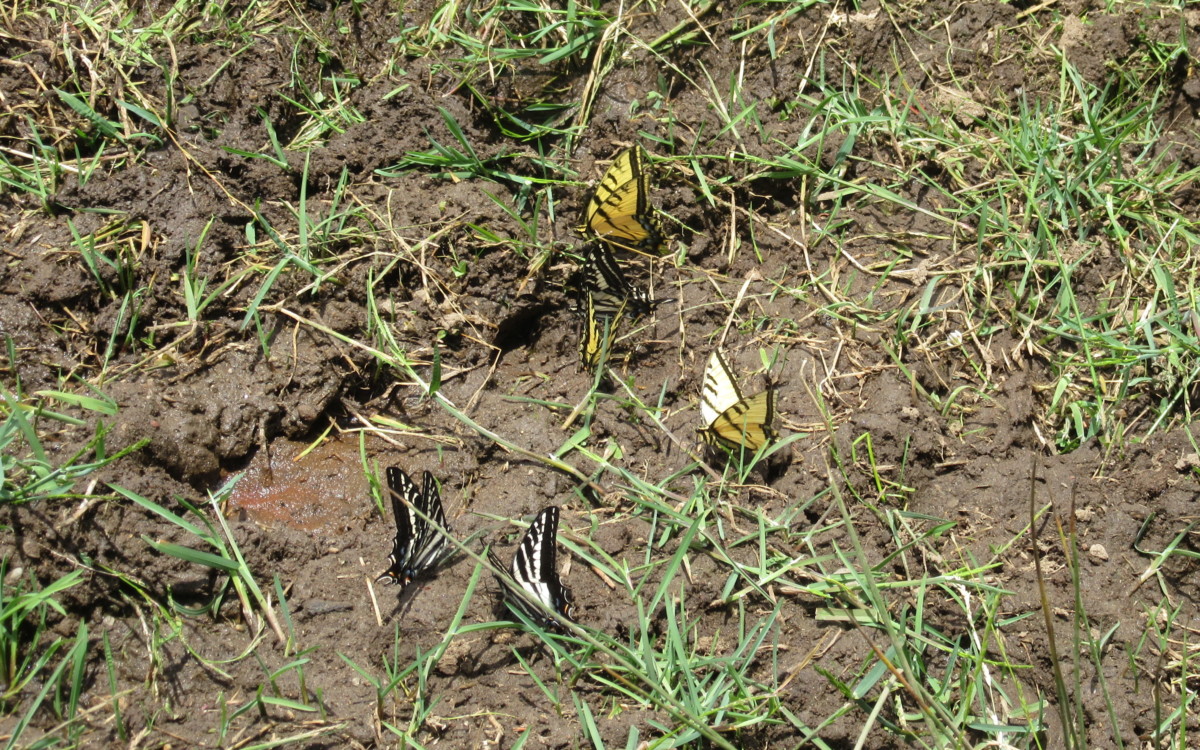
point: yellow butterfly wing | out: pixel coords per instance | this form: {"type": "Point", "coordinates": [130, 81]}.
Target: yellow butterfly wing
{"type": "Point", "coordinates": [746, 424]}
{"type": "Point", "coordinates": [720, 389]}
{"type": "Point", "coordinates": [619, 211]}
{"type": "Point", "coordinates": [603, 280]}
{"type": "Point", "coordinates": [732, 420]}
{"type": "Point", "coordinates": [601, 276]}
{"type": "Point", "coordinates": [596, 337]}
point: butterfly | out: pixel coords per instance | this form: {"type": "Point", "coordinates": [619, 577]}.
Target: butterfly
{"type": "Point", "coordinates": [606, 297]}
{"type": "Point", "coordinates": [619, 210]}
{"type": "Point", "coordinates": [732, 420]}
{"type": "Point", "coordinates": [612, 294]}
{"type": "Point", "coordinates": [418, 545]}
{"type": "Point", "coordinates": [534, 573]}
{"type": "Point", "coordinates": [596, 336]}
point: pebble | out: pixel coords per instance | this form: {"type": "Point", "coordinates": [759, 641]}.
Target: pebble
{"type": "Point", "coordinates": [315, 607]}
{"type": "Point", "coordinates": [1098, 552]}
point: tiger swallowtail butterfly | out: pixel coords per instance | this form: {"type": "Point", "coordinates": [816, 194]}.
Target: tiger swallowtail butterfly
{"type": "Point", "coordinates": [732, 420]}
{"type": "Point", "coordinates": [619, 210]}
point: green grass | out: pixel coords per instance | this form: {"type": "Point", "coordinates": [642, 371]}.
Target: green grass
{"type": "Point", "coordinates": [43, 671]}
{"type": "Point", "coordinates": [226, 559]}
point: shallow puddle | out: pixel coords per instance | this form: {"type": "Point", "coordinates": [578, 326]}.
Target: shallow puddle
{"type": "Point", "coordinates": [310, 491]}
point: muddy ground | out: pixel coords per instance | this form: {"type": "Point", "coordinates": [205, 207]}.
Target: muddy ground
{"type": "Point", "coordinates": [209, 401]}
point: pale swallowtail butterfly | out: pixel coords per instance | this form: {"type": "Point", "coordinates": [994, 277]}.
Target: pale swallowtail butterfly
{"type": "Point", "coordinates": [533, 575]}
{"type": "Point", "coordinates": [418, 545]}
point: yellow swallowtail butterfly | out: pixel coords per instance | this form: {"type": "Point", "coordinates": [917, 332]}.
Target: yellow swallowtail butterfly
{"type": "Point", "coordinates": [732, 420]}
{"type": "Point", "coordinates": [601, 276]}
{"type": "Point", "coordinates": [598, 328]}
{"type": "Point", "coordinates": [619, 210]}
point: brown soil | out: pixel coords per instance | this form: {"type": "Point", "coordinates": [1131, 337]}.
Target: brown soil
{"type": "Point", "coordinates": [209, 401]}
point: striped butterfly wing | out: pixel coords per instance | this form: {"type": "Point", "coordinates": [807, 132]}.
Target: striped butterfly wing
{"type": "Point", "coordinates": [596, 336]}
{"type": "Point", "coordinates": [731, 420]}
{"type": "Point", "coordinates": [512, 593]}
{"type": "Point", "coordinates": [429, 545]}
{"type": "Point", "coordinates": [534, 573]}
{"type": "Point", "coordinates": [619, 210]}
{"type": "Point", "coordinates": [744, 426]}
{"type": "Point", "coordinates": [417, 546]}
{"type": "Point", "coordinates": [720, 389]}
{"type": "Point", "coordinates": [602, 276]}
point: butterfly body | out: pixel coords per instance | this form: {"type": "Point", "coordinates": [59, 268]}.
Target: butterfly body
{"type": "Point", "coordinates": [732, 420]}
{"type": "Point", "coordinates": [533, 572]}
{"type": "Point", "coordinates": [417, 546]}
{"type": "Point", "coordinates": [619, 210]}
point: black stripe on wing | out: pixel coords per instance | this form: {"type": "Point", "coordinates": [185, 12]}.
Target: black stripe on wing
{"type": "Point", "coordinates": [533, 574]}
{"type": "Point", "coordinates": [418, 545]}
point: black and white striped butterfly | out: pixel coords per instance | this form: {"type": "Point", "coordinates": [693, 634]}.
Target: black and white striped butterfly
{"type": "Point", "coordinates": [534, 574]}
{"type": "Point", "coordinates": [418, 545]}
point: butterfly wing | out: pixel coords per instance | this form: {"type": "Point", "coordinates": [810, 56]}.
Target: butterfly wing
{"type": "Point", "coordinates": [720, 389]}
{"type": "Point", "coordinates": [597, 331]}
{"type": "Point", "coordinates": [606, 295]}
{"type": "Point", "coordinates": [745, 425]}
{"type": "Point", "coordinates": [602, 276]}
{"type": "Point", "coordinates": [418, 545]}
{"type": "Point", "coordinates": [428, 544]}
{"type": "Point", "coordinates": [732, 420]}
{"type": "Point", "coordinates": [619, 210]}
{"type": "Point", "coordinates": [404, 493]}
{"type": "Point", "coordinates": [534, 571]}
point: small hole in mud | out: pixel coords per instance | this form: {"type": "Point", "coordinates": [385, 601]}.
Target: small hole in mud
{"type": "Point", "coordinates": [520, 329]}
